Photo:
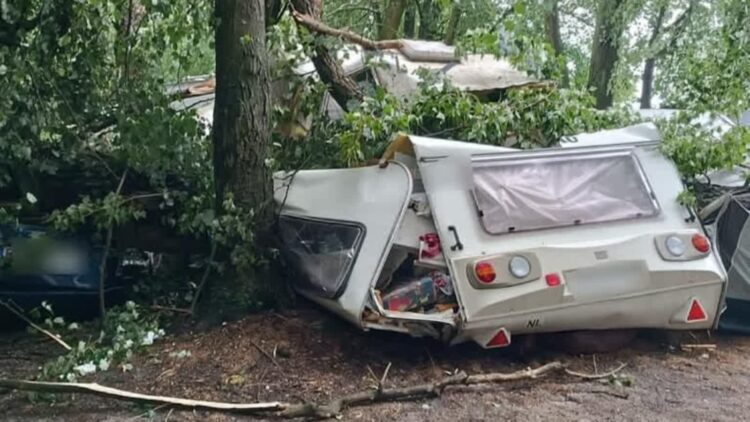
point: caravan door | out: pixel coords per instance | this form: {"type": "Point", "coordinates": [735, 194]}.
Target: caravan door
{"type": "Point", "coordinates": [337, 227]}
{"type": "Point", "coordinates": [574, 239]}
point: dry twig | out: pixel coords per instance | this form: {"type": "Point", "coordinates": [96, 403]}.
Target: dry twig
{"type": "Point", "coordinates": [596, 376]}
{"type": "Point", "coordinates": [260, 349]}
{"type": "Point", "coordinates": [692, 347]}
{"type": "Point", "coordinates": [47, 333]}
{"type": "Point", "coordinates": [171, 309]}
{"type": "Point", "coordinates": [105, 255]}
{"type": "Point", "coordinates": [204, 279]}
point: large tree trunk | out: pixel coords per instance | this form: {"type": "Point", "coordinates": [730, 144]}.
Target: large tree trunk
{"type": "Point", "coordinates": [394, 13]}
{"type": "Point", "coordinates": [342, 88]}
{"type": "Point", "coordinates": [604, 52]}
{"type": "Point", "coordinates": [243, 106]}
{"type": "Point", "coordinates": [552, 28]}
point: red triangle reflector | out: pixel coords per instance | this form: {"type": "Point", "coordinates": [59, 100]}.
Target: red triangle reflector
{"type": "Point", "coordinates": [696, 312]}
{"type": "Point", "coordinates": [501, 339]}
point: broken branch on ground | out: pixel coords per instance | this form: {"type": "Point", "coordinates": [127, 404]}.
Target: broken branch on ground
{"type": "Point", "coordinates": [303, 410]}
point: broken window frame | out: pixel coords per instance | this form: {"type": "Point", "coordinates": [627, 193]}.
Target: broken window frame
{"type": "Point", "coordinates": [342, 279]}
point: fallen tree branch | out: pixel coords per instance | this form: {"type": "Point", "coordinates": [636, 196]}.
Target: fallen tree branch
{"type": "Point", "coordinates": [100, 390]}
{"type": "Point", "coordinates": [288, 410]}
{"type": "Point", "coordinates": [596, 376]}
{"type": "Point", "coordinates": [315, 25]}
{"type": "Point", "coordinates": [47, 333]}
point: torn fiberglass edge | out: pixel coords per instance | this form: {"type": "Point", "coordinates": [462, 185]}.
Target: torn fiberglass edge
{"type": "Point", "coordinates": [422, 228]}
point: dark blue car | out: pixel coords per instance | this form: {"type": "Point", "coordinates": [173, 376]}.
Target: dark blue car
{"type": "Point", "coordinates": [39, 265]}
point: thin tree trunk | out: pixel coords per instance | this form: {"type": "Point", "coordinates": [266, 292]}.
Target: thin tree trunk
{"type": "Point", "coordinates": [427, 18]}
{"type": "Point", "coordinates": [604, 52]}
{"type": "Point", "coordinates": [410, 21]}
{"type": "Point", "coordinates": [648, 82]}
{"type": "Point", "coordinates": [552, 28]}
{"type": "Point", "coordinates": [243, 106]}
{"type": "Point", "coordinates": [394, 14]}
{"type": "Point", "coordinates": [342, 88]}
{"type": "Point", "coordinates": [452, 29]}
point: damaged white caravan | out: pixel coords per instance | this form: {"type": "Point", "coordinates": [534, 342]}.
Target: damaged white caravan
{"type": "Point", "coordinates": [463, 241]}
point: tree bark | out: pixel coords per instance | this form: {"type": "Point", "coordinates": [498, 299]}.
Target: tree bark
{"type": "Point", "coordinates": [342, 88]}
{"type": "Point", "coordinates": [604, 52]}
{"type": "Point", "coordinates": [410, 21]}
{"type": "Point", "coordinates": [243, 106]}
{"type": "Point", "coordinates": [394, 13]}
{"type": "Point", "coordinates": [647, 84]}
{"type": "Point", "coordinates": [552, 28]}
{"type": "Point", "coordinates": [452, 29]}
{"type": "Point", "coordinates": [427, 20]}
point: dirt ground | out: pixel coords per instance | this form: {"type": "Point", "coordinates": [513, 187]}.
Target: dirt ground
{"type": "Point", "coordinates": [317, 357]}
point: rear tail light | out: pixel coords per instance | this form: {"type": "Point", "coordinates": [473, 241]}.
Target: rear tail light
{"type": "Point", "coordinates": [675, 245]}
{"type": "Point", "coordinates": [696, 312]}
{"type": "Point", "coordinates": [519, 266]}
{"type": "Point", "coordinates": [501, 339]}
{"type": "Point", "coordinates": [682, 246]}
{"type": "Point", "coordinates": [552, 280]}
{"type": "Point", "coordinates": [701, 243]}
{"type": "Point", "coordinates": [485, 272]}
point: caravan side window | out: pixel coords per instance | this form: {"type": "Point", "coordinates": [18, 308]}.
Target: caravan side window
{"type": "Point", "coordinates": [322, 251]}
{"type": "Point", "coordinates": [538, 192]}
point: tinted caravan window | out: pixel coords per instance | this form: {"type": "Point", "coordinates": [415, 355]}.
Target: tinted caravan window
{"type": "Point", "coordinates": [530, 192]}
{"type": "Point", "coordinates": [323, 252]}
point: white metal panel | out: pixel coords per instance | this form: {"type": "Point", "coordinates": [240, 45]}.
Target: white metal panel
{"type": "Point", "coordinates": [559, 249]}
{"type": "Point", "coordinates": [372, 196]}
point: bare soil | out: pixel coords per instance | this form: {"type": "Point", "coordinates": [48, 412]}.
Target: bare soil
{"type": "Point", "coordinates": [318, 357]}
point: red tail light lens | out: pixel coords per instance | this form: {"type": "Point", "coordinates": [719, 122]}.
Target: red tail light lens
{"type": "Point", "coordinates": [701, 243]}
{"type": "Point", "coordinates": [485, 272]}
{"type": "Point", "coordinates": [552, 279]}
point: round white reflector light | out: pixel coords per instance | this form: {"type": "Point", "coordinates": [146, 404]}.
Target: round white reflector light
{"type": "Point", "coordinates": [519, 267]}
{"type": "Point", "coordinates": [675, 245]}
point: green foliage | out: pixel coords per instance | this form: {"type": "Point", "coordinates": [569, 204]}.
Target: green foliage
{"type": "Point", "coordinates": [525, 118]}
{"type": "Point", "coordinates": [711, 72]}
{"type": "Point", "coordinates": [124, 331]}
{"type": "Point", "coordinates": [112, 209]}
{"type": "Point", "coordinates": [697, 150]}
